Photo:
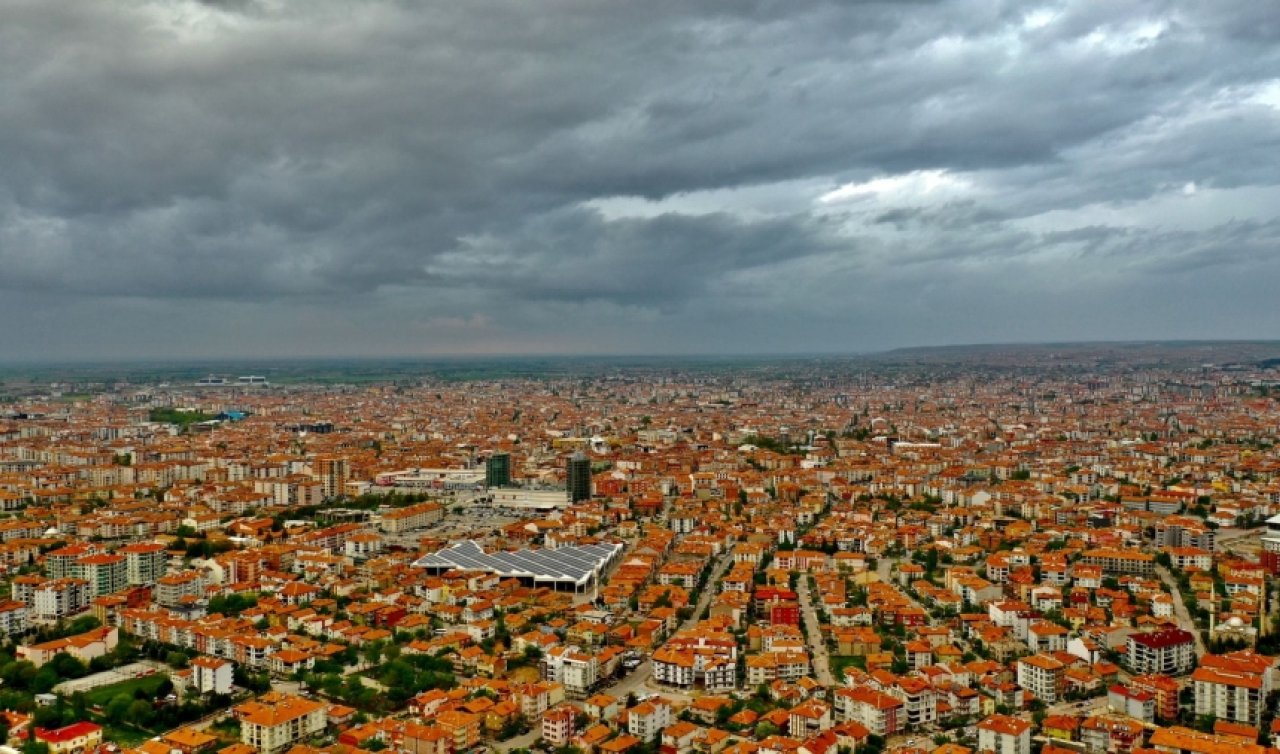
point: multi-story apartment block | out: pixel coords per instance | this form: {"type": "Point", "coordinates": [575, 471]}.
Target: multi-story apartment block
{"type": "Point", "coordinates": [60, 598]}
{"type": "Point", "coordinates": [646, 720]}
{"type": "Point", "coordinates": [13, 617]}
{"type": "Point", "coordinates": [557, 725]}
{"type": "Point", "coordinates": [1170, 651]}
{"type": "Point", "coordinates": [1042, 675]}
{"type": "Point", "coordinates": [175, 589]}
{"type": "Point", "coordinates": [145, 562]}
{"type": "Point", "coordinates": [919, 701]}
{"type": "Point", "coordinates": [1234, 686]}
{"type": "Point", "coordinates": [1004, 734]}
{"type": "Point", "coordinates": [1121, 561]}
{"type": "Point", "coordinates": [880, 713]}
{"type": "Point", "coordinates": [105, 573]}
{"type": "Point", "coordinates": [411, 517]}
{"type": "Point", "coordinates": [212, 675]}
{"type": "Point", "coordinates": [61, 563]}
{"type": "Point", "coordinates": [333, 473]}
{"type": "Point", "coordinates": [274, 722]}
{"type": "Point", "coordinates": [573, 668]}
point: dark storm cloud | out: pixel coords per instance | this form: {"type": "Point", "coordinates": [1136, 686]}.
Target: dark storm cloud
{"type": "Point", "coordinates": [513, 167]}
{"type": "Point", "coordinates": [579, 256]}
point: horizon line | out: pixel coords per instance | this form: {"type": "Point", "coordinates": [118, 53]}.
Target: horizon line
{"type": "Point", "coordinates": [781, 355]}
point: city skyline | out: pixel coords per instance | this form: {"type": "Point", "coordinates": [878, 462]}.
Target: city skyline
{"type": "Point", "coordinates": [266, 179]}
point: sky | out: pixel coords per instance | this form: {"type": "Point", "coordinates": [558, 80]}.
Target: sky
{"type": "Point", "coordinates": [260, 178]}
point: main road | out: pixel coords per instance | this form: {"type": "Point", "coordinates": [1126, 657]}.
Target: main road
{"type": "Point", "coordinates": [1180, 609]}
{"type": "Point", "coordinates": [708, 591]}
{"type": "Point", "coordinates": [813, 634]}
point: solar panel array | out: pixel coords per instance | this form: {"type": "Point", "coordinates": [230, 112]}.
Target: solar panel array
{"type": "Point", "coordinates": [575, 563]}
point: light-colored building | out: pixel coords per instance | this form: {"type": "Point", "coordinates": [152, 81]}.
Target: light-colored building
{"type": "Point", "coordinates": [172, 590]}
{"type": "Point", "coordinates": [518, 497]}
{"type": "Point", "coordinates": [880, 713]}
{"type": "Point", "coordinates": [411, 517]}
{"type": "Point", "coordinates": [1004, 734]}
{"type": "Point", "coordinates": [274, 722]}
{"type": "Point", "coordinates": [83, 647]}
{"type": "Point", "coordinates": [81, 736]}
{"type": "Point", "coordinates": [1170, 651]}
{"type": "Point", "coordinates": [646, 720]}
{"type": "Point", "coordinates": [558, 725]}
{"type": "Point", "coordinates": [13, 617]}
{"type": "Point", "coordinates": [573, 668]}
{"type": "Point", "coordinates": [60, 598]}
{"type": "Point", "coordinates": [212, 675]}
{"type": "Point", "coordinates": [1234, 686]}
{"type": "Point", "coordinates": [145, 562]}
{"type": "Point", "coordinates": [1042, 675]}
{"type": "Point", "coordinates": [105, 573]}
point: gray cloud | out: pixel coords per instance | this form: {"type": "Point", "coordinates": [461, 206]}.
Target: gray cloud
{"type": "Point", "coordinates": [488, 173]}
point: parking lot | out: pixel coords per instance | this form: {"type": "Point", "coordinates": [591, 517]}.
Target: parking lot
{"type": "Point", "coordinates": [105, 678]}
{"type": "Point", "coordinates": [475, 522]}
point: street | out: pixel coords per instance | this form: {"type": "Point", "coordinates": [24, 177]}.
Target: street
{"type": "Point", "coordinates": [1180, 609]}
{"type": "Point", "coordinates": [709, 591]}
{"type": "Point", "coordinates": [813, 635]}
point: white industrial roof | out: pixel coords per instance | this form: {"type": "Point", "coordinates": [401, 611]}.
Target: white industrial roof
{"type": "Point", "coordinates": [576, 563]}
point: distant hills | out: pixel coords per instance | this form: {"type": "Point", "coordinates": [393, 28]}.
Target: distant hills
{"type": "Point", "coordinates": [1171, 354]}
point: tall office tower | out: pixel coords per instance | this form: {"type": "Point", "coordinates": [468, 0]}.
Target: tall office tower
{"type": "Point", "coordinates": [579, 477]}
{"type": "Point", "coordinates": [497, 470]}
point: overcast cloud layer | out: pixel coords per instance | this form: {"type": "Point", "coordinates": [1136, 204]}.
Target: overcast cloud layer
{"type": "Point", "coordinates": [266, 177]}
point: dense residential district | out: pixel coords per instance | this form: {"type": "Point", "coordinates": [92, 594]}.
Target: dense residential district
{"type": "Point", "coordinates": [1012, 561]}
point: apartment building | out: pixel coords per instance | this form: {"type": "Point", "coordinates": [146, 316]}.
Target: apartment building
{"type": "Point", "coordinates": [1113, 734]}
{"type": "Point", "coordinates": [570, 666]}
{"type": "Point", "coordinates": [809, 719]}
{"type": "Point", "coordinates": [1179, 740]}
{"type": "Point", "coordinates": [212, 675]}
{"type": "Point", "coordinates": [1170, 651]}
{"type": "Point", "coordinates": [880, 713]}
{"type": "Point", "coordinates": [275, 722]}
{"type": "Point", "coordinates": [1139, 704]}
{"type": "Point", "coordinates": [1042, 675]}
{"type": "Point", "coordinates": [174, 589]}
{"type": "Point", "coordinates": [771, 666]}
{"type": "Point", "coordinates": [14, 616]}
{"type": "Point", "coordinates": [558, 725]}
{"type": "Point", "coordinates": [145, 562]}
{"type": "Point", "coordinates": [60, 598]}
{"type": "Point", "coordinates": [1121, 561]}
{"type": "Point", "coordinates": [84, 647]}
{"type": "Point", "coordinates": [1165, 690]}
{"type": "Point", "coordinates": [688, 669]}
{"type": "Point", "coordinates": [646, 720]}
{"type": "Point", "coordinates": [1234, 686]}
{"type": "Point", "coordinates": [333, 473]}
{"type": "Point", "coordinates": [920, 704]}
{"type": "Point", "coordinates": [105, 573]}
{"type": "Point", "coordinates": [61, 563]}
{"type": "Point", "coordinates": [411, 518]}
{"type": "Point", "coordinates": [1004, 734]}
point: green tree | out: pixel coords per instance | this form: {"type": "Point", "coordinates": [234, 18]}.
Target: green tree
{"type": "Point", "coordinates": [117, 710]}
{"type": "Point", "coordinates": [68, 666]}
